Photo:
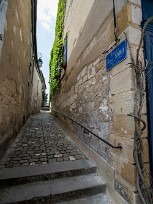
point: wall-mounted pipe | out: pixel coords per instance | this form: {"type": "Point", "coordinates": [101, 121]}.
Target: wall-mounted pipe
{"type": "Point", "coordinates": [115, 24]}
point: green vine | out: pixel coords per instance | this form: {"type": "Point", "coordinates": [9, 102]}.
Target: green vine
{"type": "Point", "coordinates": [57, 50]}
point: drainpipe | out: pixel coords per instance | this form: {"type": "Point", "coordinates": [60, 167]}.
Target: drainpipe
{"type": "Point", "coordinates": [115, 25]}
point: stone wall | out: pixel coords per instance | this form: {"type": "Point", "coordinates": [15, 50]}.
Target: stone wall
{"type": "Point", "coordinates": [101, 100]}
{"type": "Point", "coordinates": [89, 103]}
{"type": "Point", "coordinates": [16, 76]}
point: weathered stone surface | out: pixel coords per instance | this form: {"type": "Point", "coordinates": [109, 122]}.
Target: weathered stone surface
{"type": "Point", "coordinates": [123, 125]}
{"type": "Point", "coordinates": [136, 14]}
{"type": "Point", "coordinates": [96, 199]}
{"type": "Point", "coordinates": [91, 71]}
{"type": "Point", "coordinates": [122, 190]}
{"type": "Point", "coordinates": [123, 20]}
{"type": "Point", "coordinates": [122, 66]}
{"type": "Point", "coordinates": [123, 103]}
{"type": "Point", "coordinates": [128, 172]}
{"type": "Point", "coordinates": [54, 191]}
{"type": "Point", "coordinates": [145, 150]}
{"type": "Point", "coordinates": [126, 155]}
{"type": "Point", "coordinates": [134, 35]}
{"type": "Point", "coordinates": [122, 82]}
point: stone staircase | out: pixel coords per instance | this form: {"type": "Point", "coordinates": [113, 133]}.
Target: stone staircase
{"type": "Point", "coordinates": [63, 182]}
{"type": "Point", "coordinates": [45, 108]}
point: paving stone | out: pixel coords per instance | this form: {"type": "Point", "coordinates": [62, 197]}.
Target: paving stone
{"type": "Point", "coordinates": [9, 166]}
{"type": "Point", "coordinates": [59, 159]}
{"type": "Point", "coordinates": [39, 143]}
{"type": "Point", "coordinates": [13, 156]}
{"type": "Point", "coordinates": [38, 154]}
{"type": "Point", "coordinates": [23, 155]}
{"type": "Point", "coordinates": [33, 163]}
{"type": "Point", "coordinates": [70, 148]}
{"type": "Point", "coordinates": [50, 153]}
{"type": "Point", "coordinates": [16, 159]}
{"type": "Point", "coordinates": [25, 164]}
{"type": "Point", "coordinates": [73, 153]}
{"type": "Point", "coordinates": [72, 158]}
{"type": "Point", "coordinates": [66, 154]}
{"type": "Point", "coordinates": [52, 160]}
{"type": "Point", "coordinates": [23, 161]}
{"type": "Point", "coordinates": [38, 162]}
{"type": "Point", "coordinates": [57, 155]}
{"type": "Point", "coordinates": [6, 159]}
{"type": "Point", "coordinates": [34, 160]}
{"type": "Point", "coordinates": [14, 162]}
{"type": "Point", "coordinates": [43, 159]}
{"type": "Point", "coordinates": [51, 156]}
{"type": "Point", "coordinates": [2, 166]}
{"type": "Point", "coordinates": [66, 159]}
{"type": "Point", "coordinates": [64, 148]}
{"type": "Point", "coordinates": [79, 157]}
{"type": "Point", "coordinates": [69, 151]}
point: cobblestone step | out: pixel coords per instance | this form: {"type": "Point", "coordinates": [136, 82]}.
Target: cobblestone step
{"type": "Point", "coordinates": [24, 174]}
{"type": "Point", "coordinates": [54, 191]}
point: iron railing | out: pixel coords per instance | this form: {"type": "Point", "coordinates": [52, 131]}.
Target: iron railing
{"type": "Point", "coordinates": [89, 131]}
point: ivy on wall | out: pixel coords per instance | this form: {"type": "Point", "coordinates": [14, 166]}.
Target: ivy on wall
{"type": "Point", "coordinates": [57, 50]}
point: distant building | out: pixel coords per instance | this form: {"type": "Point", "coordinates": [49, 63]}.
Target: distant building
{"type": "Point", "coordinates": [21, 80]}
{"type": "Point", "coordinates": [43, 91]}
{"type": "Point", "coordinates": [102, 87]}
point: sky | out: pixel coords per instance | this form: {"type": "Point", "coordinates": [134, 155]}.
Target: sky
{"type": "Point", "coordinates": [46, 19]}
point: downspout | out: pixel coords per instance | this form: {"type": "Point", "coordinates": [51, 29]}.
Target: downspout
{"type": "Point", "coordinates": [115, 24]}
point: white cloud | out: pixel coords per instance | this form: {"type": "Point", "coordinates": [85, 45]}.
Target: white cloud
{"type": "Point", "coordinates": [46, 13]}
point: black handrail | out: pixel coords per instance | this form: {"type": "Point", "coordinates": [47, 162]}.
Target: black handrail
{"type": "Point", "coordinates": [109, 144]}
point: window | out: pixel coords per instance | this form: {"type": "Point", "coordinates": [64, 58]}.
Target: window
{"type": "Point", "coordinates": [65, 53]}
{"type": "Point", "coordinates": [3, 8]}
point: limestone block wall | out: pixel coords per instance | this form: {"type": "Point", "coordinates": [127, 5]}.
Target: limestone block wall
{"type": "Point", "coordinates": [15, 74]}
{"type": "Point", "coordinates": [98, 99]}
{"type": "Point", "coordinates": [88, 102]}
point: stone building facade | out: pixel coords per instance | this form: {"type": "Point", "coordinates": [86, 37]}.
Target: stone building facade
{"type": "Point", "coordinates": [21, 80]}
{"type": "Point", "coordinates": [101, 100]}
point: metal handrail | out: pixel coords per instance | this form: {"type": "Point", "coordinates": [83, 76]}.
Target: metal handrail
{"type": "Point", "coordinates": [86, 129]}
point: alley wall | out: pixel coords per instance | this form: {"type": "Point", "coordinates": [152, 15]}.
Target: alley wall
{"type": "Point", "coordinates": [98, 99]}
{"type": "Point", "coordinates": [20, 81]}
{"type": "Point", "coordinates": [36, 96]}
{"type": "Point", "coordinates": [14, 66]}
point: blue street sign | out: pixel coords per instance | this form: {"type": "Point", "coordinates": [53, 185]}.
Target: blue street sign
{"type": "Point", "coordinates": [117, 55]}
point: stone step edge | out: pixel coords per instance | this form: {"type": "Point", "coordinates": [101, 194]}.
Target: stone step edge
{"type": "Point", "coordinates": [99, 198]}
{"type": "Point", "coordinates": [55, 190]}
{"type": "Point", "coordinates": [24, 174]}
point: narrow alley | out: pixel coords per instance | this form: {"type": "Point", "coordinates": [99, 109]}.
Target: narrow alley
{"type": "Point", "coordinates": [43, 165]}
{"type": "Point", "coordinates": [76, 101]}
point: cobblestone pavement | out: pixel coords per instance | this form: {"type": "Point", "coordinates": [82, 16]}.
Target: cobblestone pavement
{"type": "Point", "coordinates": [40, 141]}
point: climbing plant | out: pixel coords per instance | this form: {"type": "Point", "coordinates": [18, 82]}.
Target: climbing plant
{"type": "Point", "coordinates": [57, 50]}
